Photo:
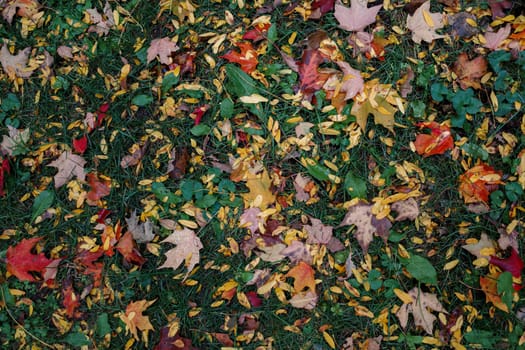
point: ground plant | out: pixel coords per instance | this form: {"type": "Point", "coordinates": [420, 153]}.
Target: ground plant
{"type": "Point", "coordinates": [301, 174]}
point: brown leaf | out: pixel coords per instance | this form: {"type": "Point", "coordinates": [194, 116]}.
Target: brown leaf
{"type": "Point", "coordinates": [421, 306]}
{"type": "Point", "coordinates": [68, 165]}
{"type": "Point", "coordinates": [469, 72]}
{"type": "Point", "coordinates": [187, 249]}
{"type": "Point", "coordinates": [296, 252]}
{"type": "Point", "coordinates": [128, 248]}
{"type": "Point", "coordinates": [15, 65]}
{"type": "Point", "coordinates": [100, 187]}
{"type": "Point", "coordinates": [494, 39]}
{"type": "Point", "coordinates": [462, 26]}
{"type": "Point", "coordinates": [161, 48]}
{"type": "Point", "coordinates": [367, 225]}
{"type": "Point", "coordinates": [304, 300]}
{"type": "Point", "coordinates": [178, 163]}
{"type": "Point", "coordinates": [405, 83]}
{"type": "Point", "coordinates": [22, 8]}
{"type": "Point", "coordinates": [102, 23]}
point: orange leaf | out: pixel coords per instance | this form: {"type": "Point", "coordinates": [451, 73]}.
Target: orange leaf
{"type": "Point", "coordinates": [489, 285]}
{"type": "Point", "coordinates": [128, 248]}
{"type": "Point", "coordinates": [71, 301]}
{"type": "Point", "coordinates": [247, 58]}
{"type": "Point", "coordinates": [99, 188]}
{"type": "Point", "coordinates": [477, 183]}
{"type": "Point", "coordinates": [134, 319]}
{"type": "Point", "coordinates": [469, 72]}
{"type": "Point", "coordinates": [437, 142]}
{"type": "Point", "coordinates": [303, 275]}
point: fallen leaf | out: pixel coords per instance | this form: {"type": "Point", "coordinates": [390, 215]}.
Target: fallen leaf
{"type": "Point", "coordinates": [4, 169]}
{"type": "Point", "coordinates": [404, 84]}
{"type": "Point", "coordinates": [437, 142]}
{"type": "Point", "coordinates": [470, 72]}
{"type": "Point", "coordinates": [15, 143]}
{"type": "Point", "coordinates": [135, 157]}
{"type": "Point", "coordinates": [15, 65]}
{"type": "Point", "coordinates": [513, 263]}
{"type": "Point", "coordinates": [463, 24]}
{"type": "Point", "coordinates": [483, 248]}
{"type": "Point", "coordinates": [421, 306]}
{"type": "Point", "coordinates": [100, 187]}
{"type": "Point", "coordinates": [251, 220]}
{"type": "Point", "coordinates": [271, 253]}
{"type": "Point", "coordinates": [68, 165]}
{"type": "Point", "coordinates": [80, 144]}
{"type": "Point", "coordinates": [161, 48]}
{"type": "Point", "coordinates": [178, 163]}
{"type": "Point", "coordinates": [498, 7]}
{"type": "Point", "coordinates": [142, 232]}
{"type": "Point", "coordinates": [357, 17]}
{"type": "Point", "coordinates": [424, 24]}
{"type": "Point", "coordinates": [352, 82]}
{"type": "Point", "coordinates": [260, 194]}
{"type": "Point", "coordinates": [70, 300]}
{"type": "Point", "coordinates": [304, 300]}
{"type": "Point", "coordinates": [367, 225]}
{"type": "Point", "coordinates": [407, 209]}
{"type": "Point", "coordinates": [187, 249]}
{"type": "Point", "coordinates": [297, 252]}
{"type": "Point", "coordinates": [246, 58]}
{"type": "Point", "coordinates": [102, 23]}
{"type": "Point", "coordinates": [476, 184]}
{"type": "Point", "coordinates": [21, 262]}
{"type": "Point", "coordinates": [128, 248]}
{"type": "Point", "coordinates": [310, 78]}
{"type": "Point", "coordinates": [494, 39]}
{"type": "Point", "coordinates": [22, 8]}
{"type": "Point", "coordinates": [135, 320]}
{"type": "Point", "coordinates": [489, 286]}
{"type": "Point", "coordinates": [303, 275]}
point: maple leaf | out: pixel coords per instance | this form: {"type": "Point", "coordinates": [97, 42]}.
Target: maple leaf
{"type": "Point", "coordinates": [70, 300]}
{"type": "Point", "coordinates": [100, 187]}
{"type": "Point", "coordinates": [469, 72]}
{"type": "Point", "coordinates": [142, 232]}
{"type": "Point", "coordinates": [407, 209]}
{"type": "Point", "coordinates": [420, 307]}
{"type": "Point", "coordinates": [183, 9]}
{"type": "Point", "coordinates": [489, 286]}
{"type": "Point", "coordinates": [162, 48]}
{"type": "Point", "coordinates": [128, 248]}
{"type": "Point", "coordinates": [366, 223]}
{"type": "Point", "coordinates": [21, 262]}
{"type": "Point", "coordinates": [260, 194]}
{"type": "Point", "coordinates": [251, 220]}
{"type": "Point", "coordinates": [357, 17]}
{"type": "Point", "coordinates": [437, 142]}
{"type": "Point", "coordinates": [15, 65]}
{"type": "Point", "coordinates": [498, 7]}
{"type": "Point", "coordinates": [173, 341]}
{"type": "Point", "coordinates": [310, 79]}
{"type": "Point", "coordinates": [494, 39]}
{"type": "Point", "coordinates": [304, 300]}
{"type": "Point", "coordinates": [85, 261]}
{"type": "Point", "coordinates": [513, 263]}
{"type": "Point", "coordinates": [187, 249]}
{"type": "Point", "coordinates": [246, 58]}
{"type": "Point", "coordinates": [424, 24]}
{"type": "Point", "coordinates": [477, 183]}
{"type": "Point", "coordinates": [14, 144]}
{"type": "Point", "coordinates": [80, 144]}
{"type": "Point", "coordinates": [68, 165]}
{"type": "Point", "coordinates": [378, 100]}
{"type": "Point", "coordinates": [135, 320]}
{"type": "Point", "coordinates": [102, 23]}
{"type": "Point", "coordinates": [297, 251]}
{"type": "Point", "coordinates": [259, 31]}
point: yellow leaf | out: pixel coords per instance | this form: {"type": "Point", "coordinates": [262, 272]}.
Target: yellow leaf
{"type": "Point", "coordinates": [253, 98]}
{"type": "Point", "coordinates": [428, 18]}
{"type": "Point", "coordinates": [260, 190]}
{"type": "Point", "coordinates": [404, 296]}
{"type": "Point", "coordinates": [329, 340]}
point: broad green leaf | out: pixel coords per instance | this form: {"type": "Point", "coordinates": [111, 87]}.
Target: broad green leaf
{"type": "Point", "coordinates": [42, 202]}
{"type": "Point", "coordinates": [421, 269]}
{"type": "Point", "coordinates": [77, 339]}
{"type": "Point", "coordinates": [103, 326]}
{"type": "Point", "coordinates": [142, 100]}
{"type": "Point", "coordinates": [10, 102]}
{"type": "Point", "coordinates": [226, 108]}
{"type": "Point", "coordinates": [163, 194]}
{"type": "Point", "coordinates": [485, 339]}
{"type": "Point", "coordinates": [168, 81]}
{"type": "Point", "coordinates": [496, 58]}
{"type": "Point", "coordinates": [505, 288]}
{"type": "Point", "coordinates": [355, 185]}
{"type": "Point", "coordinates": [475, 151]}
{"type": "Point", "coordinates": [206, 201]}
{"type": "Point", "coordinates": [513, 191]}
{"type": "Point", "coordinates": [464, 102]}
{"type": "Point", "coordinates": [238, 82]}
{"type": "Point", "coordinates": [320, 172]}
{"type": "Point", "coordinates": [200, 130]}
{"type": "Point", "coordinates": [439, 92]}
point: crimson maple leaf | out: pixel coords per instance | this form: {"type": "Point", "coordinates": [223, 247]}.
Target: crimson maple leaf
{"type": "Point", "coordinates": [21, 262]}
{"type": "Point", "coordinates": [310, 78]}
{"type": "Point", "coordinates": [99, 188]}
{"type": "Point", "coordinates": [512, 264]}
{"type": "Point", "coordinates": [247, 57]}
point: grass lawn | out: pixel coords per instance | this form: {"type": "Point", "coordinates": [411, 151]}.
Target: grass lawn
{"type": "Point", "coordinates": [233, 174]}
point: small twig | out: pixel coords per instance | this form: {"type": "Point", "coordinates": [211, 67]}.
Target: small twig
{"type": "Point", "coordinates": [23, 328]}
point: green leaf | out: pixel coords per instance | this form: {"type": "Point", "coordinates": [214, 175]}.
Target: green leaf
{"type": "Point", "coordinates": [238, 82]}
{"type": "Point", "coordinates": [355, 185]}
{"type": "Point", "coordinates": [464, 102]}
{"type": "Point", "coordinates": [142, 100]}
{"type": "Point", "coordinates": [200, 130]}
{"type": "Point", "coordinates": [226, 108]}
{"type": "Point", "coordinates": [439, 92]}
{"type": "Point", "coordinates": [206, 201]}
{"type": "Point", "coordinates": [421, 269]}
{"type": "Point", "coordinates": [485, 339]}
{"type": "Point", "coordinates": [496, 58]}
{"type": "Point", "coordinates": [77, 339]}
{"type": "Point", "coordinates": [163, 194]}
{"type": "Point", "coordinates": [320, 172]}
{"type": "Point", "coordinates": [513, 191]}
{"type": "Point", "coordinates": [103, 326]}
{"type": "Point", "coordinates": [505, 288]}
{"type": "Point", "coordinates": [44, 200]}
{"type": "Point", "coordinates": [475, 151]}
{"type": "Point", "coordinates": [169, 81]}
{"type": "Point", "coordinates": [10, 102]}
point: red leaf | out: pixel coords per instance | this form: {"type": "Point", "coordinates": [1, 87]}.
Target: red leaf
{"type": "Point", "coordinates": [99, 188]}
{"type": "Point", "coordinates": [310, 78]}
{"type": "Point", "coordinates": [128, 248]}
{"type": "Point", "coordinates": [254, 300]}
{"type": "Point", "coordinates": [3, 170]}
{"type": "Point", "coordinates": [258, 32]}
{"type": "Point", "coordinates": [172, 343]}
{"type": "Point", "coordinates": [476, 184]}
{"type": "Point", "coordinates": [199, 112]}
{"type": "Point", "coordinates": [80, 144]}
{"type": "Point", "coordinates": [20, 260]}
{"type": "Point", "coordinates": [247, 58]}
{"type": "Point", "coordinates": [512, 264]}
{"type": "Point", "coordinates": [102, 215]}
{"type": "Point", "coordinates": [437, 142]}
{"type": "Point", "coordinates": [85, 261]}
{"type": "Point", "coordinates": [70, 300]}
{"type": "Point", "coordinates": [324, 6]}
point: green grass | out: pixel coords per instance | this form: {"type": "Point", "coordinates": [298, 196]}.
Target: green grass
{"type": "Point", "coordinates": [29, 313]}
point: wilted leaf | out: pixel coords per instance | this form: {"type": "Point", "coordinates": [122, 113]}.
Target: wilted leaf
{"type": "Point", "coordinates": [483, 248]}
{"type": "Point", "coordinates": [463, 24]}
{"type": "Point", "coordinates": [494, 39]}
{"type": "Point", "coordinates": [304, 300]}
{"type": "Point", "coordinates": [297, 251]}
{"type": "Point", "coordinates": [489, 286]}
{"type": "Point", "coordinates": [424, 24]}
{"type": "Point", "coordinates": [260, 193]}
{"type": "Point", "coordinates": [469, 72]}
{"type": "Point", "coordinates": [100, 187]}
{"type": "Point", "coordinates": [513, 263]}
{"type": "Point", "coordinates": [15, 143]}
{"type": "Point", "coordinates": [128, 248]}
{"type": "Point", "coordinates": [142, 232]}
{"type": "Point", "coordinates": [407, 209]}
{"type": "Point", "coordinates": [22, 8]}
{"type": "Point", "coordinates": [102, 23]}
